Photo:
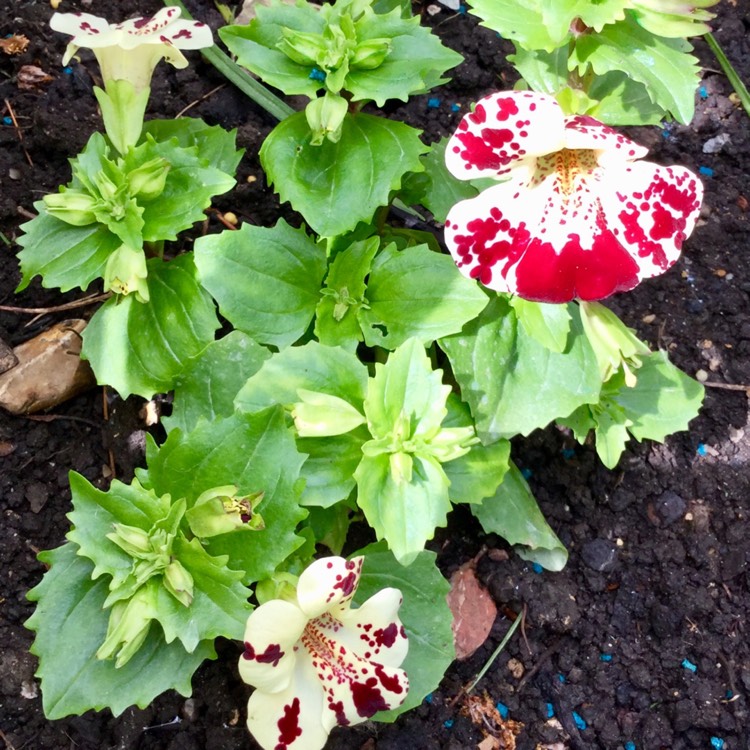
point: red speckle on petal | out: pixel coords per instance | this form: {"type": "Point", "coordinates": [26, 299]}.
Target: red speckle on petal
{"type": "Point", "coordinates": [272, 655]}
{"type": "Point", "coordinates": [506, 108]}
{"type": "Point", "coordinates": [347, 584]}
{"type": "Point", "coordinates": [139, 23]}
{"type": "Point", "coordinates": [183, 34]}
{"type": "Point", "coordinates": [288, 724]}
{"type": "Point", "coordinates": [386, 636]}
{"type": "Point", "coordinates": [479, 115]}
{"type": "Point", "coordinates": [367, 698]}
{"type": "Point", "coordinates": [338, 710]}
{"type": "Point", "coordinates": [389, 682]}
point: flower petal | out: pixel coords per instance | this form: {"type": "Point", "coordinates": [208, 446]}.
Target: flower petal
{"type": "Point", "coordinates": [271, 636]}
{"type": "Point", "coordinates": [584, 132]}
{"type": "Point", "coordinates": [86, 30]}
{"type": "Point", "coordinates": [328, 584]}
{"type": "Point", "coordinates": [652, 210]}
{"type": "Point", "coordinates": [374, 631]}
{"type": "Point", "coordinates": [504, 131]}
{"type": "Point", "coordinates": [355, 688]}
{"type": "Point", "coordinates": [290, 719]}
{"type": "Point", "coordinates": [165, 28]}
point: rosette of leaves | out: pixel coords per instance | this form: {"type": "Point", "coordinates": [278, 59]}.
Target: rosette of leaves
{"type": "Point", "coordinates": [111, 222]}
{"type": "Point", "coordinates": [334, 164]}
{"type": "Point", "coordinates": [624, 62]}
{"type": "Point", "coordinates": [399, 438]}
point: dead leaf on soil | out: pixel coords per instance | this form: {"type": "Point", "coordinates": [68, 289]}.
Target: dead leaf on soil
{"type": "Point", "coordinates": [31, 77]}
{"type": "Point", "coordinates": [499, 733]}
{"type": "Point", "coordinates": [14, 44]}
{"type": "Point", "coordinates": [49, 370]}
{"type": "Point", "coordinates": [473, 611]}
{"type": "Point", "coordinates": [7, 358]}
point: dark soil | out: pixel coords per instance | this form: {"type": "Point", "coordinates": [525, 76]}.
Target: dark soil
{"type": "Point", "coordinates": [643, 635]}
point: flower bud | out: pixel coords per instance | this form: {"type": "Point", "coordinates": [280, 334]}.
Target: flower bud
{"type": "Point", "coordinates": [147, 181]}
{"type": "Point", "coordinates": [178, 581]}
{"type": "Point", "coordinates": [126, 272]}
{"type": "Point", "coordinates": [72, 206]}
{"type": "Point", "coordinates": [322, 415]}
{"type": "Point", "coordinates": [304, 48]}
{"type": "Point", "coordinates": [128, 626]}
{"type": "Point", "coordinates": [370, 54]}
{"type": "Point", "coordinates": [131, 539]}
{"type": "Point", "coordinates": [325, 116]}
{"type": "Point", "coordinates": [219, 511]}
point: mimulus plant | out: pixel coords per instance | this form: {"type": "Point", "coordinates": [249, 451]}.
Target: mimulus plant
{"type": "Point", "coordinates": [575, 215]}
{"type": "Point", "coordinates": [316, 663]}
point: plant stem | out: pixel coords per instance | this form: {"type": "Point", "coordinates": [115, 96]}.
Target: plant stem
{"type": "Point", "coordinates": [240, 78]}
{"type": "Point", "coordinates": [730, 72]}
{"type": "Point", "coordinates": [496, 653]}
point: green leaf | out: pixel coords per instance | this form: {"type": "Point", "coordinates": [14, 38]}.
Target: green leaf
{"type": "Point", "coordinates": [663, 401]}
{"type": "Point", "coordinates": [443, 190]}
{"type": "Point", "coordinates": [71, 624]}
{"type": "Point", "coordinates": [415, 63]}
{"type": "Point", "coordinates": [622, 101]}
{"type": "Point", "coordinates": [512, 383]}
{"type": "Point", "coordinates": [424, 614]}
{"type": "Point", "coordinates": [215, 145]}
{"type": "Point", "coordinates": [545, 72]}
{"type": "Point", "coordinates": [417, 293]}
{"type": "Point", "coordinates": [191, 183]}
{"type": "Point", "coordinates": [611, 436]}
{"type": "Point", "coordinates": [254, 452]}
{"type": "Point", "coordinates": [329, 470]}
{"type": "Point", "coordinates": [514, 514]}
{"type": "Point", "coordinates": [478, 473]}
{"type": "Point", "coordinates": [548, 325]}
{"type": "Point", "coordinates": [404, 513]}
{"type": "Point", "coordinates": [320, 181]}
{"type": "Point", "coordinates": [266, 280]}
{"type": "Point", "coordinates": [336, 322]}
{"type": "Point", "coordinates": [255, 46]}
{"type": "Point", "coordinates": [142, 347]}
{"type": "Point", "coordinates": [210, 382]}
{"type": "Point", "coordinates": [314, 367]}
{"type": "Point", "coordinates": [65, 256]}
{"type": "Point", "coordinates": [665, 67]}
{"type": "Point", "coordinates": [521, 21]}
{"type": "Point", "coordinates": [560, 14]}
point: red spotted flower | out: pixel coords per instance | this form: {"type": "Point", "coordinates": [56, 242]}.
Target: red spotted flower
{"type": "Point", "coordinates": [317, 663]}
{"type": "Point", "coordinates": [575, 213]}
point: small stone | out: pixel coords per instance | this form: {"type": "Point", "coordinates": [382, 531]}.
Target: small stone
{"type": "Point", "coordinates": [516, 668]}
{"type": "Point", "coordinates": [735, 434]}
{"type": "Point", "coordinates": [189, 710]}
{"type": "Point", "coordinates": [599, 555]}
{"type": "Point", "coordinates": [701, 375]}
{"type": "Point", "coordinates": [648, 319]}
{"type": "Point", "coordinates": [716, 144]}
{"type": "Point", "coordinates": [37, 495]}
{"type": "Point", "coordinates": [670, 507]}
{"type": "Point", "coordinates": [29, 690]}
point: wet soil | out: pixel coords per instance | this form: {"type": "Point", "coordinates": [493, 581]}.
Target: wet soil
{"type": "Point", "coordinates": [642, 639]}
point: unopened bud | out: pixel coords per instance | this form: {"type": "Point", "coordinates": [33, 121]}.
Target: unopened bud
{"type": "Point", "coordinates": [147, 181]}
{"type": "Point", "coordinates": [131, 539]}
{"type": "Point", "coordinates": [126, 272]}
{"type": "Point", "coordinates": [178, 581]}
{"type": "Point", "coordinates": [325, 116]}
{"type": "Point", "coordinates": [72, 207]}
{"type": "Point", "coordinates": [304, 48]}
{"type": "Point", "coordinates": [370, 54]}
{"type": "Point", "coordinates": [322, 415]}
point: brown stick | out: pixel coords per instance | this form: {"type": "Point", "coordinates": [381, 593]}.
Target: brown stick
{"type": "Point", "coordinates": [198, 101]}
{"type": "Point", "coordinates": [93, 299]}
{"type": "Point", "coordinates": [18, 131]}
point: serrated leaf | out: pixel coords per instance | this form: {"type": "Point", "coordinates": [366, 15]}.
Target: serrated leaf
{"type": "Point", "coordinates": [70, 627]}
{"type": "Point", "coordinates": [513, 384]}
{"type": "Point", "coordinates": [415, 63]}
{"type": "Point", "coordinates": [314, 367]}
{"type": "Point", "coordinates": [404, 513]}
{"type": "Point", "coordinates": [478, 473]}
{"type": "Point", "coordinates": [514, 514]}
{"type": "Point", "coordinates": [521, 21]}
{"type": "Point", "coordinates": [210, 382]}
{"type": "Point", "coordinates": [64, 256]}
{"type": "Point", "coordinates": [663, 401]}
{"type": "Point", "coordinates": [424, 614]}
{"type": "Point", "coordinates": [216, 146]}
{"type": "Point", "coordinates": [319, 181]}
{"type": "Point", "coordinates": [255, 46]}
{"type": "Point", "coordinates": [545, 72]}
{"type": "Point", "coordinates": [266, 280]}
{"type": "Point", "coordinates": [442, 190]}
{"type": "Point", "coordinates": [549, 325]}
{"type": "Point", "coordinates": [611, 436]}
{"type": "Point", "coordinates": [664, 66]}
{"type": "Point", "coordinates": [560, 14]}
{"type": "Point", "coordinates": [336, 322]}
{"type": "Point", "coordinates": [254, 452]}
{"type": "Point", "coordinates": [417, 293]}
{"type": "Point", "coordinates": [622, 101]}
{"type": "Point", "coordinates": [142, 347]}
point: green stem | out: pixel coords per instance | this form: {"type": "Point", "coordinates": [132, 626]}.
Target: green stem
{"type": "Point", "coordinates": [239, 77]}
{"type": "Point", "coordinates": [496, 652]}
{"type": "Point", "coordinates": [730, 72]}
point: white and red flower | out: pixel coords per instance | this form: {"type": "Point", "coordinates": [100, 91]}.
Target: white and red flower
{"type": "Point", "coordinates": [575, 213]}
{"type": "Point", "coordinates": [159, 37]}
{"type": "Point", "coordinates": [317, 663]}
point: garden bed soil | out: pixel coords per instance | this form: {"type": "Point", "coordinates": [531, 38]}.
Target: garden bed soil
{"type": "Point", "coordinates": [641, 639]}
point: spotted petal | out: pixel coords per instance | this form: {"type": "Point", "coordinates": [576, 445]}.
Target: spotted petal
{"type": "Point", "coordinates": [290, 719]}
{"type": "Point", "coordinates": [271, 635]}
{"type": "Point", "coordinates": [504, 133]}
{"type": "Point", "coordinates": [86, 30]}
{"type": "Point", "coordinates": [577, 230]}
{"type": "Point", "coordinates": [328, 585]}
{"type": "Point", "coordinates": [584, 132]}
{"type": "Point", "coordinates": [165, 28]}
{"type": "Point", "coordinates": [374, 631]}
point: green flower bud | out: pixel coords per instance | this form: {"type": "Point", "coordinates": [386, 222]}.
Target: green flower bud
{"type": "Point", "coordinates": [304, 48]}
{"type": "Point", "coordinates": [402, 465]}
{"type": "Point", "coordinates": [147, 181]}
{"type": "Point", "coordinates": [72, 206]}
{"type": "Point", "coordinates": [126, 272]}
{"type": "Point", "coordinates": [370, 54]}
{"type": "Point", "coordinates": [219, 511]}
{"type": "Point", "coordinates": [128, 626]}
{"type": "Point", "coordinates": [178, 581]}
{"type": "Point", "coordinates": [325, 116]}
{"type": "Point", "coordinates": [322, 415]}
{"type": "Point", "coordinates": [136, 542]}
{"type": "Point", "coordinates": [278, 586]}
{"type": "Point", "coordinates": [451, 442]}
